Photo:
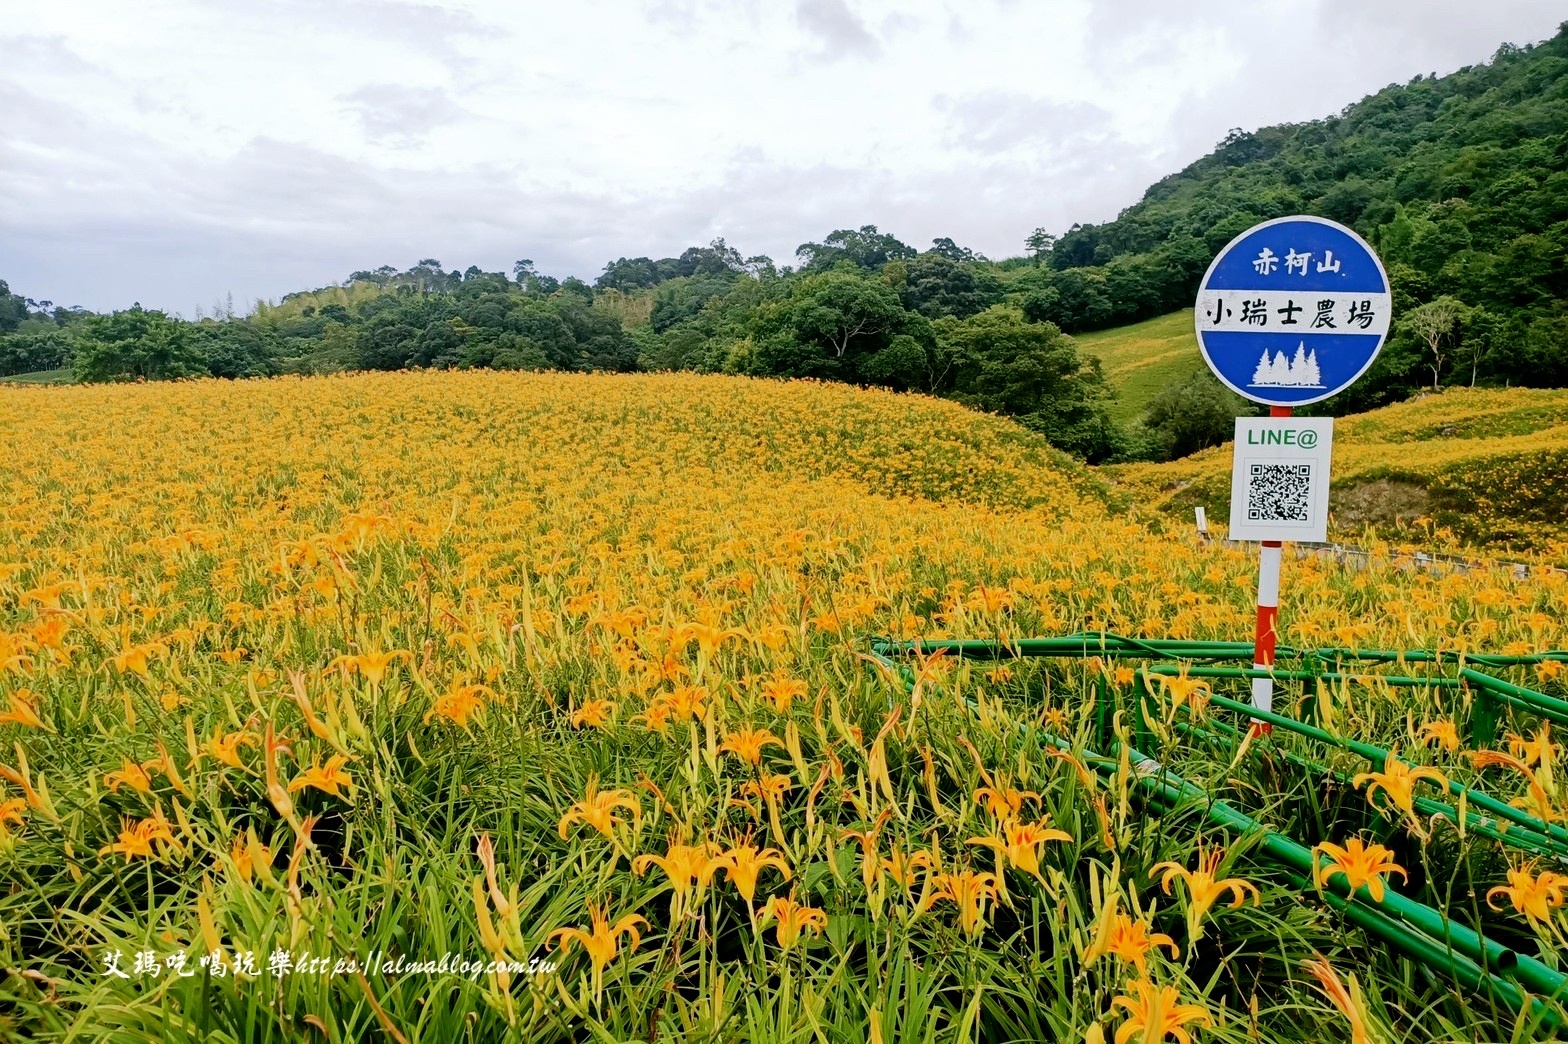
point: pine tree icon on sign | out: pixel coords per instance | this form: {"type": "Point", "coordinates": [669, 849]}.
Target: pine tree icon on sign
{"type": "Point", "coordinates": [1280, 372]}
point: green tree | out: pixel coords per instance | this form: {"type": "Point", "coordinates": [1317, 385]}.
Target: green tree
{"type": "Point", "coordinates": [866, 248]}
{"type": "Point", "coordinates": [935, 285]}
{"type": "Point", "coordinates": [1039, 245]}
{"type": "Point", "coordinates": [903, 365]}
{"type": "Point", "coordinates": [842, 317]}
{"type": "Point", "coordinates": [13, 309]}
{"type": "Point", "coordinates": [1033, 372]}
{"type": "Point", "coordinates": [136, 343]}
{"type": "Point", "coordinates": [1189, 416]}
{"type": "Point", "coordinates": [34, 350]}
{"type": "Point", "coordinates": [237, 349]}
{"type": "Point", "coordinates": [1434, 324]}
{"type": "Point", "coordinates": [1481, 334]}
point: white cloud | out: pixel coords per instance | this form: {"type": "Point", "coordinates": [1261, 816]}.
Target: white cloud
{"type": "Point", "coordinates": [175, 152]}
{"type": "Point", "coordinates": [401, 114]}
{"type": "Point", "coordinates": [836, 28]}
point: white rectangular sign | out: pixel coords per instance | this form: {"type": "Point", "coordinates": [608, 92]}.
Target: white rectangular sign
{"type": "Point", "coordinates": [1294, 312]}
{"type": "Point", "coordinates": [1279, 478]}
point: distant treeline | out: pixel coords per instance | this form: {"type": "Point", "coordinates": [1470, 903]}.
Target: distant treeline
{"type": "Point", "coordinates": [1460, 182]}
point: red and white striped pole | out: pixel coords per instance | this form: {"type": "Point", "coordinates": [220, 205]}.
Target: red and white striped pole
{"type": "Point", "coordinates": [1268, 616]}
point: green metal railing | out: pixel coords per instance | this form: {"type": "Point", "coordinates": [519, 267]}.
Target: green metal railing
{"type": "Point", "coordinates": [1105, 643]}
{"type": "Point", "coordinates": [1424, 934]}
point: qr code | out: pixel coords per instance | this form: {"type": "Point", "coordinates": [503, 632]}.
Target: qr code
{"type": "Point", "coordinates": [1279, 493]}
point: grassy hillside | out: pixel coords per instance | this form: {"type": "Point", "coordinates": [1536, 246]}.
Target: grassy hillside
{"type": "Point", "coordinates": [1143, 359]}
{"type": "Point", "coordinates": [1490, 465]}
{"type": "Point", "coordinates": [61, 376]}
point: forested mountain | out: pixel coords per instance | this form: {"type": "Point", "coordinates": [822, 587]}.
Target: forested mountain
{"type": "Point", "coordinates": [1461, 182]}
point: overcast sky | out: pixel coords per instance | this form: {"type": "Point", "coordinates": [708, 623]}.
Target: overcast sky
{"type": "Point", "coordinates": [174, 151]}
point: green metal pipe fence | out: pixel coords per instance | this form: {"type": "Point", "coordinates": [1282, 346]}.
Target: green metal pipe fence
{"type": "Point", "coordinates": [1423, 933]}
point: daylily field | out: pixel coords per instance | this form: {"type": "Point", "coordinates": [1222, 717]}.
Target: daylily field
{"type": "Point", "coordinates": [569, 677]}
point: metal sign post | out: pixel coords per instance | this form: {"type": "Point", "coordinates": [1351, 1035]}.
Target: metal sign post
{"type": "Point", "coordinates": [1291, 312]}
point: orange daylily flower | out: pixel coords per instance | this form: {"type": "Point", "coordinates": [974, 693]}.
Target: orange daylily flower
{"type": "Point", "coordinates": [132, 775]}
{"type": "Point", "coordinates": [13, 652]}
{"type": "Point", "coordinates": [248, 853]}
{"type": "Point", "coordinates": [970, 890]}
{"type": "Point", "coordinates": [143, 838]}
{"type": "Point", "coordinates": [744, 863]}
{"type": "Point", "coordinates": [769, 787]}
{"type": "Point", "coordinates": [23, 711]}
{"type": "Point", "coordinates": [1020, 843]}
{"type": "Point", "coordinates": [1203, 888]}
{"type": "Point", "coordinates": [225, 747]}
{"type": "Point", "coordinates": [1156, 1013]}
{"type": "Point", "coordinates": [1537, 750]}
{"type": "Point", "coordinates": [1003, 801]}
{"type": "Point", "coordinates": [134, 658]}
{"type": "Point", "coordinates": [793, 918]}
{"type": "Point", "coordinates": [656, 718]}
{"type": "Point", "coordinates": [781, 690]}
{"type": "Point", "coordinates": [50, 634]}
{"type": "Point", "coordinates": [687, 867]}
{"type": "Point", "coordinates": [1193, 692]}
{"type": "Point", "coordinates": [325, 778]}
{"type": "Point", "coordinates": [372, 665]}
{"type": "Point", "coordinates": [1539, 800]}
{"type": "Point", "coordinates": [708, 637]}
{"type": "Point", "coordinates": [1360, 863]}
{"type": "Point", "coordinates": [689, 701]}
{"type": "Point", "coordinates": [747, 744]}
{"type": "Point", "coordinates": [459, 703]}
{"type": "Point", "coordinates": [1531, 895]}
{"type": "Point", "coordinates": [10, 812]}
{"type": "Point", "coordinates": [1349, 1002]}
{"type": "Point", "coordinates": [1129, 940]}
{"type": "Point", "coordinates": [594, 714]}
{"type": "Point", "coordinates": [601, 942]}
{"type": "Point", "coordinates": [1442, 732]}
{"type": "Point", "coordinates": [1398, 781]}
{"type": "Point", "coordinates": [597, 809]}
{"type": "Point", "coordinates": [903, 868]}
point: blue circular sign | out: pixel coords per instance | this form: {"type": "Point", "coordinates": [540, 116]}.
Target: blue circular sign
{"type": "Point", "coordinates": [1292, 311]}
